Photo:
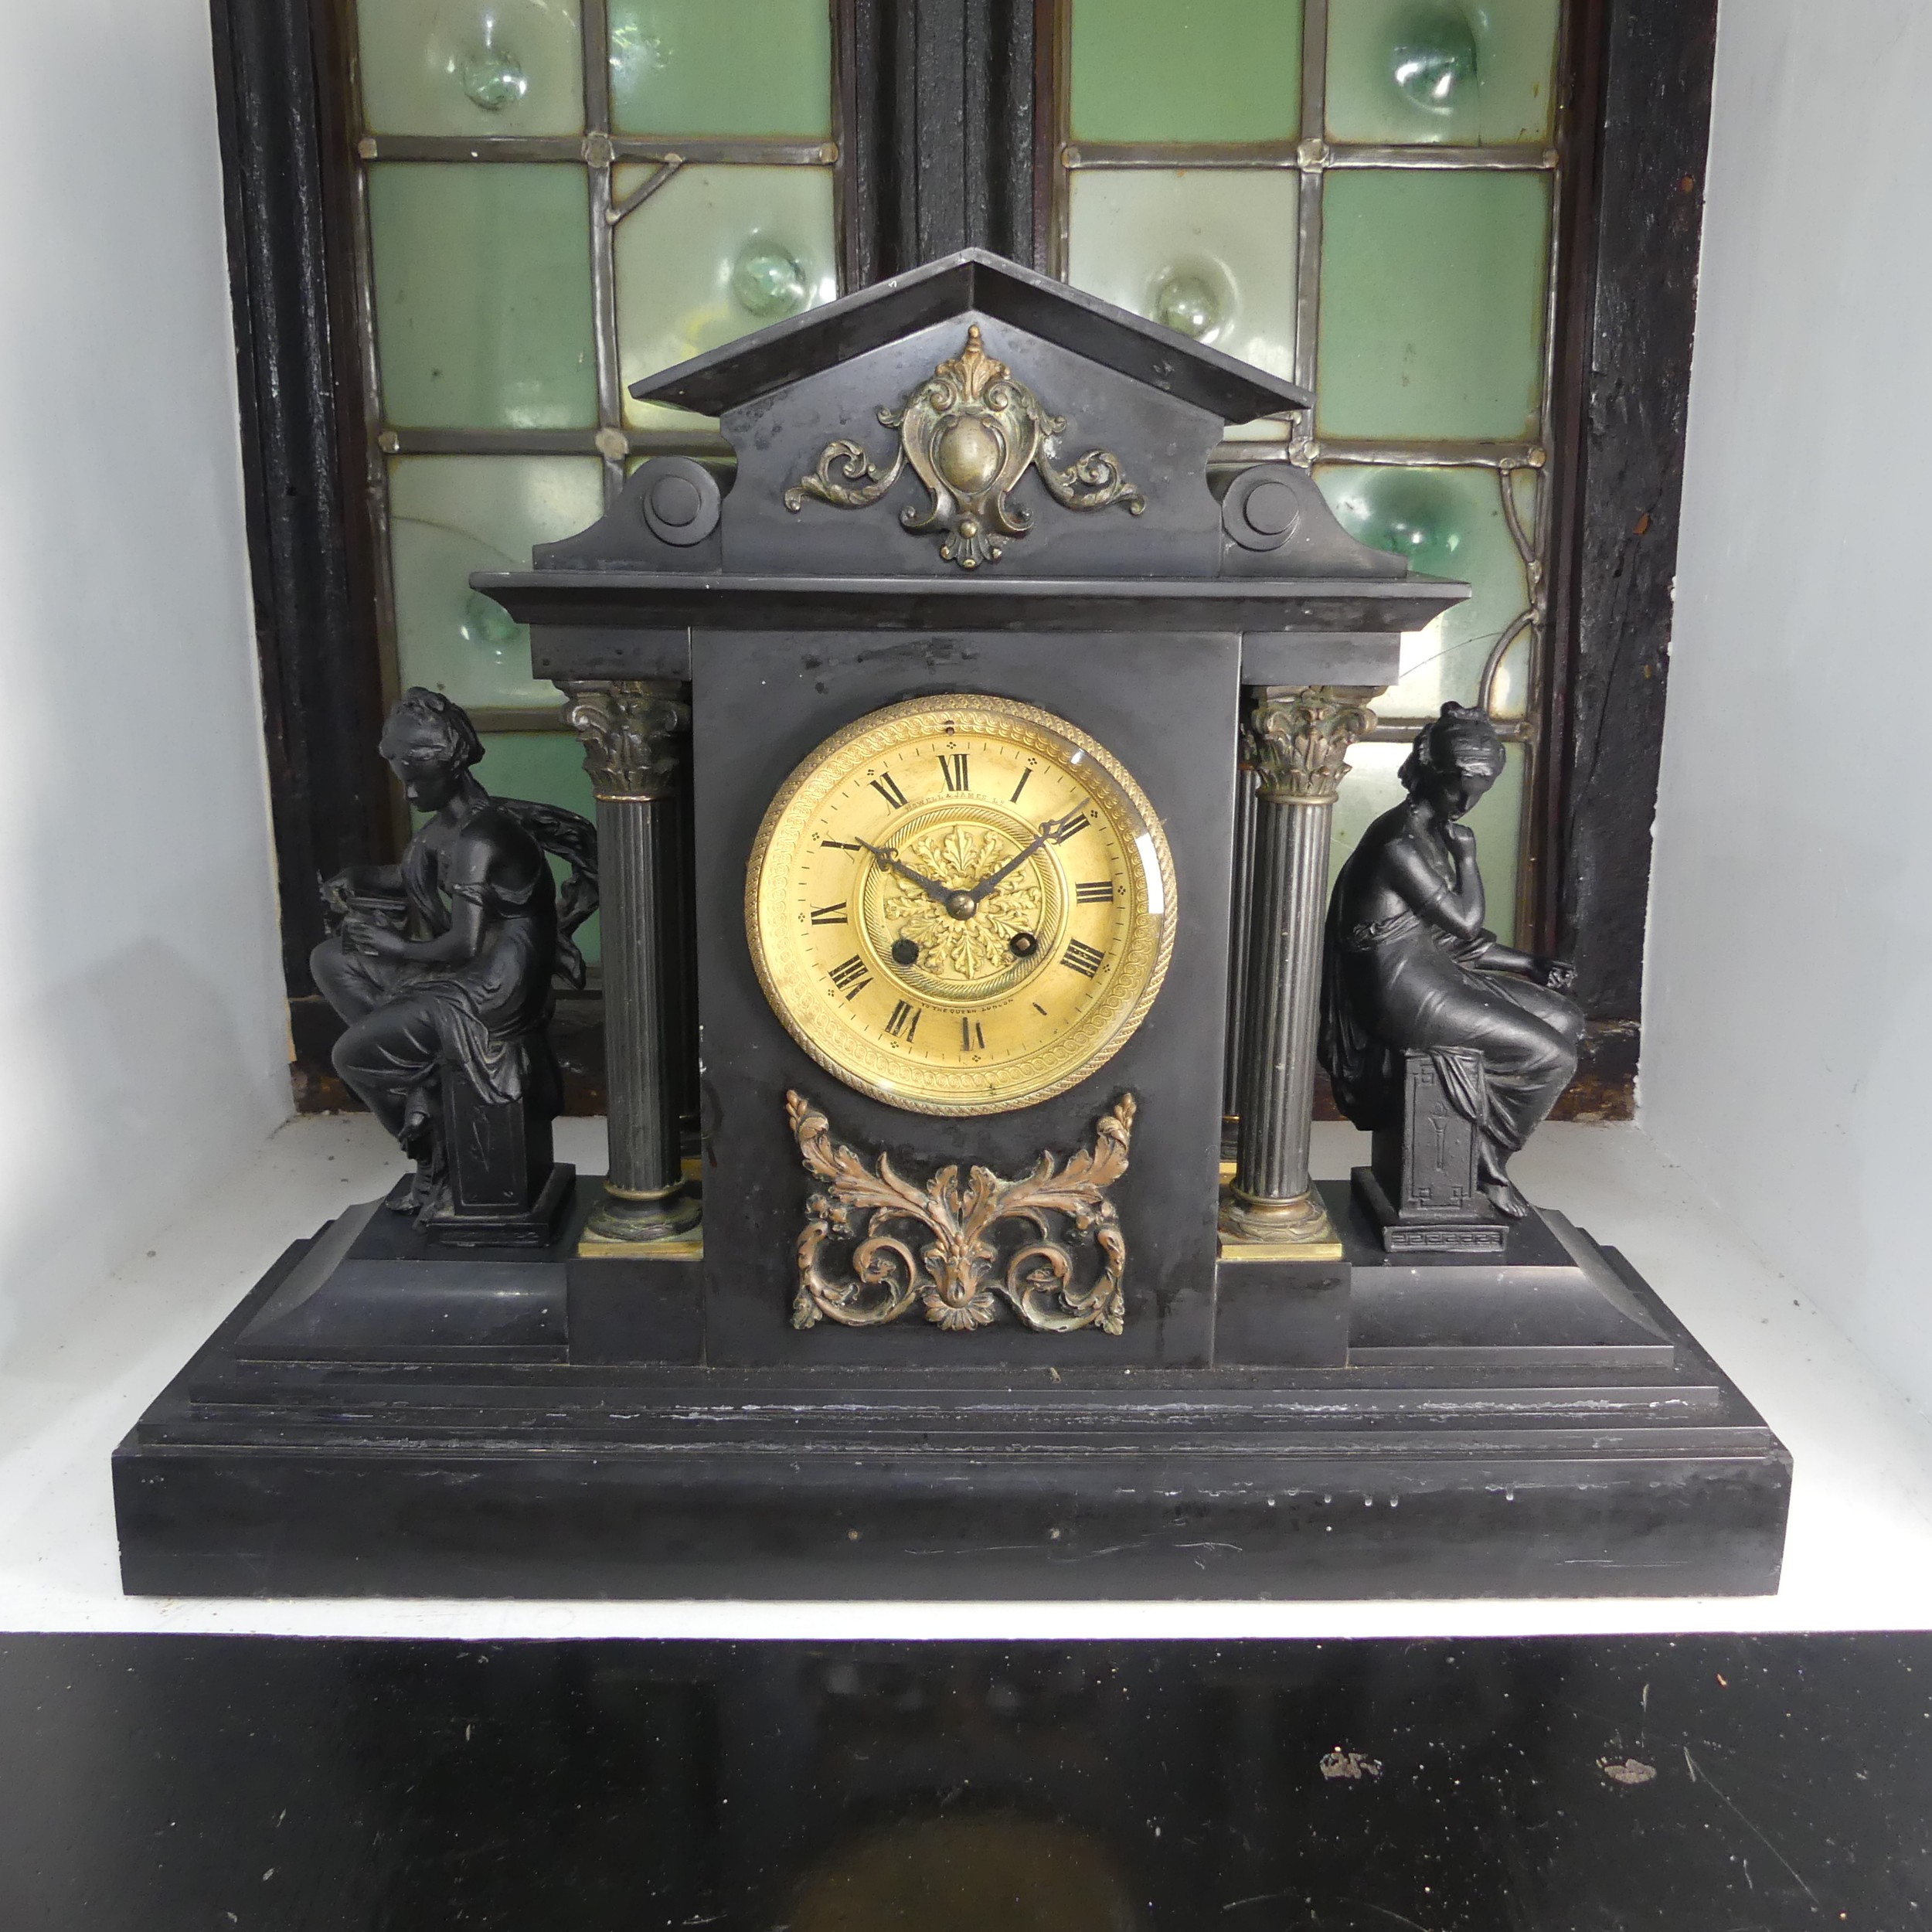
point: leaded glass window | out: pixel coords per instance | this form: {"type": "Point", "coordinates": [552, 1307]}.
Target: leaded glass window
{"type": "Point", "coordinates": [553, 199]}
{"type": "Point", "coordinates": [1360, 194]}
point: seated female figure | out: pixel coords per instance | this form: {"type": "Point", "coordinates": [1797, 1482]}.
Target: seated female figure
{"type": "Point", "coordinates": [1408, 965]}
{"type": "Point", "coordinates": [442, 966]}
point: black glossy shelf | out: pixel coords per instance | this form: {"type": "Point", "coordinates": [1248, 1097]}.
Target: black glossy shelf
{"type": "Point", "coordinates": [1707, 1784]}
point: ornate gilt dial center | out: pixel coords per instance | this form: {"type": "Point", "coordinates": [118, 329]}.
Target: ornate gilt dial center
{"type": "Point", "coordinates": [960, 904]}
{"type": "Point", "coordinates": [963, 938]}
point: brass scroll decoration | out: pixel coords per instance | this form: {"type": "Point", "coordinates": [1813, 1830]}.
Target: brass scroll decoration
{"type": "Point", "coordinates": [970, 431]}
{"type": "Point", "coordinates": [936, 1245]}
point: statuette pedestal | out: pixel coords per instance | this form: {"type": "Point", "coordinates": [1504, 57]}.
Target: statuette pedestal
{"type": "Point", "coordinates": [506, 1188]}
{"type": "Point", "coordinates": [1421, 1189]}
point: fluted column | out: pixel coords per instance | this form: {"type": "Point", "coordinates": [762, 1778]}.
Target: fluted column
{"type": "Point", "coordinates": [1297, 740]}
{"type": "Point", "coordinates": [634, 736]}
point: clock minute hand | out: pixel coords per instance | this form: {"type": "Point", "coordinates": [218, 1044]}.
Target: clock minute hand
{"type": "Point", "coordinates": [1019, 859]}
{"type": "Point", "coordinates": [888, 857]}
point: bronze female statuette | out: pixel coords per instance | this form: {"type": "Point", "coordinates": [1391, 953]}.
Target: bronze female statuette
{"type": "Point", "coordinates": [444, 968]}
{"type": "Point", "coordinates": [1410, 971]}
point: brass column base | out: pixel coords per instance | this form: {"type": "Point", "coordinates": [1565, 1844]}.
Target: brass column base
{"type": "Point", "coordinates": [1254, 1229]}
{"type": "Point", "coordinates": [668, 1222]}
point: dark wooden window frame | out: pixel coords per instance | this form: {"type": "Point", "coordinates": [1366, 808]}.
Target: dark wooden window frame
{"type": "Point", "coordinates": [946, 149]}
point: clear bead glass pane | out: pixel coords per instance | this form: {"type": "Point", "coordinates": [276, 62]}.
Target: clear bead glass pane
{"type": "Point", "coordinates": [483, 294]}
{"type": "Point", "coordinates": [451, 514]}
{"type": "Point", "coordinates": [1371, 787]}
{"type": "Point", "coordinates": [714, 254]}
{"type": "Point", "coordinates": [744, 67]}
{"type": "Point", "coordinates": [1210, 252]}
{"type": "Point", "coordinates": [1525, 485]}
{"type": "Point", "coordinates": [547, 765]}
{"type": "Point", "coordinates": [1220, 70]}
{"type": "Point", "coordinates": [1447, 523]}
{"type": "Point", "coordinates": [1432, 305]}
{"type": "Point", "coordinates": [1263, 429]}
{"type": "Point", "coordinates": [1477, 73]}
{"type": "Point", "coordinates": [471, 67]}
{"type": "Point", "coordinates": [1510, 691]}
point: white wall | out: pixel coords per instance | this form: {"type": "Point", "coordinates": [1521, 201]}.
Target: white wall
{"type": "Point", "coordinates": [1787, 1046]}
{"type": "Point", "coordinates": [142, 1043]}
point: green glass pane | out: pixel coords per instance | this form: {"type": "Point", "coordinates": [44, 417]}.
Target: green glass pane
{"type": "Point", "coordinates": [451, 514]}
{"type": "Point", "coordinates": [746, 67]}
{"type": "Point", "coordinates": [714, 254]}
{"type": "Point", "coordinates": [471, 67]}
{"type": "Point", "coordinates": [547, 765]}
{"type": "Point", "coordinates": [1432, 305]}
{"type": "Point", "coordinates": [1372, 787]}
{"type": "Point", "coordinates": [483, 294]}
{"type": "Point", "coordinates": [1220, 70]}
{"type": "Point", "coordinates": [1447, 523]}
{"type": "Point", "coordinates": [1476, 73]}
{"type": "Point", "coordinates": [1209, 251]}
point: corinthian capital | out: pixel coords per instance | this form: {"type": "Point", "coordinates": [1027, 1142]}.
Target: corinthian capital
{"type": "Point", "coordinates": [633, 737]}
{"type": "Point", "coordinates": [1298, 739]}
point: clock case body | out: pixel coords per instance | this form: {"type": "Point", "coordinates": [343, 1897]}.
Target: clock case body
{"type": "Point", "coordinates": [1163, 705]}
{"type": "Point", "coordinates": [557, 1424]}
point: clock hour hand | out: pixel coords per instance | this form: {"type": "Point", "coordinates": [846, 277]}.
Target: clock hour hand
{"type": "Point", "coordinates": [1019, 859]}
{"type": "Point", "coordinates": [888, 857]}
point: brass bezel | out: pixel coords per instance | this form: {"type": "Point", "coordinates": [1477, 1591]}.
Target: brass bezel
{"type": "Point", "coordinates": [1134, 984]}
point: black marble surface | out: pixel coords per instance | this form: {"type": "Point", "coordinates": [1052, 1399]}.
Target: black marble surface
{"type": "Point", "coordinates": [1713, 1783]}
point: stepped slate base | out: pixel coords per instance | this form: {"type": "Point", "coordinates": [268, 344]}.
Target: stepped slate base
{"type": "Point", "coordinates": [1539, 1426]}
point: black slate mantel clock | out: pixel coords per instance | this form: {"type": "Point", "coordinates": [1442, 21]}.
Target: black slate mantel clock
{"type": "Point", "coordinates": [919, 741]}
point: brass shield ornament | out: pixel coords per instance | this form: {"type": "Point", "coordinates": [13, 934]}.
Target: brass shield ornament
{"type": "Point", "coordinates": [970, 431]}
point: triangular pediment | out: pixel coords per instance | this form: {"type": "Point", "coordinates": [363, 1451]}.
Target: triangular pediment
{"type": "Point", "coordinates": [972, 282]}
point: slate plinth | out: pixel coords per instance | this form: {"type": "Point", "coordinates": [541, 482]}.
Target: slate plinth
{"type": "Point", "coordinates": [1541, 1427]}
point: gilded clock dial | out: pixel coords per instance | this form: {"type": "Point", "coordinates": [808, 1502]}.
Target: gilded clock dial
{"type": "Point", "coordinates": [962, 905]}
